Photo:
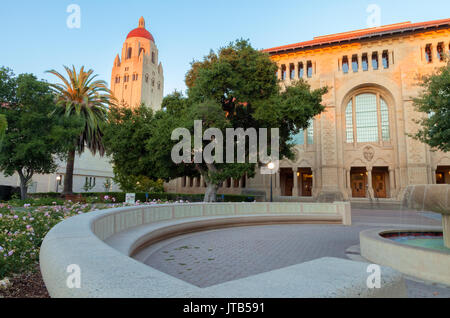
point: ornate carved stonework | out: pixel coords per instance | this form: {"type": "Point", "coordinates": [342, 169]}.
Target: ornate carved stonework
{"type": "Point", "coordinates": [368, 152]}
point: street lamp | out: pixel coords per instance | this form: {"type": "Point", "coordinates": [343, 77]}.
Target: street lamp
{"type": "Point", "coordinates": [271, 167]}
{"type": "Point", "coordinates": [58, 179]}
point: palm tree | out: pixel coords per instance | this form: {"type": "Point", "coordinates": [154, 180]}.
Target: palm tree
{"type": "Point", "coordinates": [87, 99]}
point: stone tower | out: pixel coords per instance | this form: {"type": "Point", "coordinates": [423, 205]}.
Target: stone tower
{"type": "Point", "coordinates": [137, 76]}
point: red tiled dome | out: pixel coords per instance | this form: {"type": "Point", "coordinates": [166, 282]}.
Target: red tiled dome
{"type": "Point", "coordinates": [141, 33]}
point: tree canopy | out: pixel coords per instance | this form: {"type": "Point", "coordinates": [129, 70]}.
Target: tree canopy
{"type": "Point", "coordinates": [234, 88]}
{"type": "Point", "coordinates": [34, 138]}
{"type": "Point", "coordinates": [434, 101]}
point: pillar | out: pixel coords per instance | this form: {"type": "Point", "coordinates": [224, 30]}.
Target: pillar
{"type": "Point", "coordinates": [349, 181]}
{"type": "Point", "coordinates": [433, 175]}
{"type": "Point", "coordinates": [295, 188]}
{"type": "Point", "coordinates": [391, 182]}
{"type": "Point", "coordinates": [277, 183]}
{"type": "Point", "coordinates": [369, 183]}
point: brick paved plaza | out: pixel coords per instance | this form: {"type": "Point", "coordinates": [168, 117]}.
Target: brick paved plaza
{"type": "Point", "coordinates": [213, 257]}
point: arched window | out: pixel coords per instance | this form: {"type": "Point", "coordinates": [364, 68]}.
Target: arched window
{"type": "Point", "coordinates": [129, 53]}
{"type": "Point", "coordinates": [367, 118]}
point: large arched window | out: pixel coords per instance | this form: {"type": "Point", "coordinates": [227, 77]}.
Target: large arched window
{"type": "Point", "coordinates": [367, 119]}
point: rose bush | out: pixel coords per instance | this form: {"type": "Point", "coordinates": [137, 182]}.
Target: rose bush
{"type": "Point", "coordinates": [22, 230]}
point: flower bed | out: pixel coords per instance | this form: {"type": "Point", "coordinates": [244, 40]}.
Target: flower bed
{"type": "Point", "coordinates": [22, 230]}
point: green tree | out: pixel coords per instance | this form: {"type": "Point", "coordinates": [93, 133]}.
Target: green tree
{"type": "Point", "coordinates": [3, 127]}
{"type": "Point", "coordinates": [126, 142]}
{"type": "Point", "coordinates": [434, 101]}
{"type": "Point", "coordinates": [234, 88]}
{"type": "Point", "coordinates": [34, 139]}
{"type": "Point", "coordinates": [82, 98]}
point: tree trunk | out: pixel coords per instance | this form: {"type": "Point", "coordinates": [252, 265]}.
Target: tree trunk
{"type": "Point", "coordinates": [68, 179]}
{"type": "Point", "coordinates": [211, 192]}
{"type": "Point", "coordinates": [23, 184]}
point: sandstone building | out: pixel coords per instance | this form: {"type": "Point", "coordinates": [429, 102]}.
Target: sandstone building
{"type": "Point", "coordinates": [358, 147]}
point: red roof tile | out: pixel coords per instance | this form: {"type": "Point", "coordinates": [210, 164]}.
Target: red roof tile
{"type": "Point", "coordinates": [360, 34]}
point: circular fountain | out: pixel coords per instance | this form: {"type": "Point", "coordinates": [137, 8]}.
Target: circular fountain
{"type": "Point", "coordinates": [417, 252]}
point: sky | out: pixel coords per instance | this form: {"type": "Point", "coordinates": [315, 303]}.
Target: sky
{"type": "Point", "coordinates": [34, 36]}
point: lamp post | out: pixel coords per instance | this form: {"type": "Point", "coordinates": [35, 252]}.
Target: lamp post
{"type": "Point", "coordinates": [271, 167]}
{"type": "Point", "coordinates": [58, 179]}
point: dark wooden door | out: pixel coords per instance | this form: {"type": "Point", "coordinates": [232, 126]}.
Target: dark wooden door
{"type": "Point", "coordinates": [288, 185]}
{"type": "Point", "coordinates": [307, 184]}
{"type": "Point", "coordinates": [359, 187]}
{"type": "Point", "coordinates": [379, 184]}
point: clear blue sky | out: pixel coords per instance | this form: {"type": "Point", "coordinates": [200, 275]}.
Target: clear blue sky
{"type": "Point", "coordinates": [34, 35]}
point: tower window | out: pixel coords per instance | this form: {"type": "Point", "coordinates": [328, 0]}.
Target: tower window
{"type": "Point", "coordinates": [129, 53]}
{"type": "Point", "coordinates": [153, 82]}
{"type": "Point", "coordinates": [153, 57]}
{"type": "Point", "coordinates": [159, 85]}
{"type": "Point", "coordinates": [428, 54]}
{"type": "Point", "coordinates": [375, 61]}
{"type": "Point", "coordinates": [146, 78]}
{"type": "Point", "coordinates": [301, 71]}
{"type": "Point", "coordinates": [365, 62]}
{"type": "Point", "coordinates": [355, 65]}
{"type": "Point", "coordinates": [385, 58]}
{"type": "Point", "coordinates": [345, 64]}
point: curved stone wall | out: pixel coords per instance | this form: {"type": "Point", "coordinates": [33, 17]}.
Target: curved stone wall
{"type": "Point", "coordinates": [98, 246]}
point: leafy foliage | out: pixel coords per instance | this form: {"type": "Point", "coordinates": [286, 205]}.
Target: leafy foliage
{"type": "Point", "coordinates": [34, 137]}
{"type": "Point", "coordinates": [234, 88]}
{"type": "Point", "coordinates": [435, 103]}
{"type": "Point", "coordinates": [83, 99]}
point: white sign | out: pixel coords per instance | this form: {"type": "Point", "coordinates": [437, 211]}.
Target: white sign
{"type": "Point", "coordinates": [130, 198]}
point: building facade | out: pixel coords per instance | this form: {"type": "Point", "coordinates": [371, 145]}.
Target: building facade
{"type": "Point", "coordinates": [359, 146]}
{"type": "Point", "coordinates": [137, 76]}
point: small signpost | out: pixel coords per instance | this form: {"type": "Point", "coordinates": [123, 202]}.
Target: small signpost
{"type": "Point", "coordinates": [130, 198]}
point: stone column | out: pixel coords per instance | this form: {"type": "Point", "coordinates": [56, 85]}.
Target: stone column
{"type": "Point", "coordinates": [433, 175]}
{"type": "Point", "coordinates": [202, 182]}
{"type": "Point", "coordinates": [369, 183]}
{"type": "Point", "coordinates": [349, 182]}
{"type": "Point", "coordinates": [296, 70]}
{"type": "Point", "coordinates": [295, 188]}
{"type": "Point", "coordinates": [391, 182]}
{"type": "Point", "coordinates": [277, 183]}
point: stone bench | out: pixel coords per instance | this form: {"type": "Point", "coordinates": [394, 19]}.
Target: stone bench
{"type": "Point", "coordinates": [100, 244]}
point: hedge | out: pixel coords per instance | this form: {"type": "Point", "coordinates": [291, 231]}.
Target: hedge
{"type": "Point", "coordinates": [120, 196]}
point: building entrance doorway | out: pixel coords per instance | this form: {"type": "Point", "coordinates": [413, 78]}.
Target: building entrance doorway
{"type": "Point", "coordinates": [305, 182]}
{"type": "Point", "coordinates": [443, 175]}
{"type": "Point", "coordinates": [287, 182]}
{"type": "Point", "coordinates": [379, 182]}
{"type": "Point", "coordinates": [358, 182]}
